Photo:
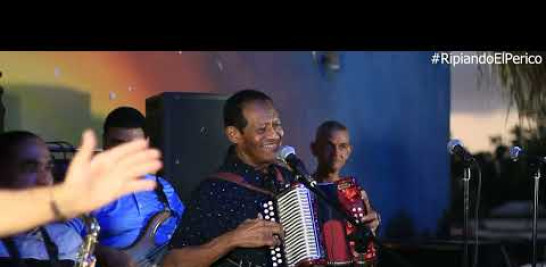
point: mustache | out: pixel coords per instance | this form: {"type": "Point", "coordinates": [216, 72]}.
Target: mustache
{"type": "Point", "coordinates": [266, 143]}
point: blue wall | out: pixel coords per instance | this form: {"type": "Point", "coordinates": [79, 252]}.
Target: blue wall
{"type": "Point", "coordinates": [396, 105]}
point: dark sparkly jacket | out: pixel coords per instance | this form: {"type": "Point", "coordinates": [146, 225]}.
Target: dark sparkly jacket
{"type": "Point", "coordinates": [218, 206]}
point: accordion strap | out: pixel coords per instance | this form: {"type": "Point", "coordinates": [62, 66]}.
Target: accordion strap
{"type": "Point", "coordinates": [237, 179]}
{"type": "Point", "coordinates": [240, 180]}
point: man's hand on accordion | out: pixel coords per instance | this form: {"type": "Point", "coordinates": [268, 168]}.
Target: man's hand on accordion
{"type": "Point", "coordinates": [253, 233]}
{"type": "Point", "coordinates": [372, 220]}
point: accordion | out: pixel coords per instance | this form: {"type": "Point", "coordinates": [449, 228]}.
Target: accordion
{"type": "Point", "coordinates": [294, 210]}
{"type": "Point", "coordinates": [309, 225]}
{"type": "Point", "coordinates": [340, 250]}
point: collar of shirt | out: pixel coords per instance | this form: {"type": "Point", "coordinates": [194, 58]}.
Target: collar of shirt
{"type": "Point", "coordinates": [266, 180]}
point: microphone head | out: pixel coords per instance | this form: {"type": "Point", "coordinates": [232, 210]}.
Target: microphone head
{"type": "Point", "coordinates": [452, 144]}
{"type": "Point", "coordinates": [515, 152]}
{"type": "Point", "coordinates": [285, 151]}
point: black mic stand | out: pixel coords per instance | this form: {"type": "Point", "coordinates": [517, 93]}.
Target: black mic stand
{"type": "Point", "coordinates": [466, 209]}
{"type": "Point", "coordinates": [536, 177]}
{"type": "Point", "coordinates": [363, 233]}
{"type": "Point", "coordinates": [535, 163]}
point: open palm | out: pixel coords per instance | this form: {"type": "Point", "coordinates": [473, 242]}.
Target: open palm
{"type": "Point", "coordinates": [93, 181]}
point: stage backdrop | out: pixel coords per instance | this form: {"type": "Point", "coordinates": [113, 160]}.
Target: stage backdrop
{"type": "Point", "coordinates": [396, 105]}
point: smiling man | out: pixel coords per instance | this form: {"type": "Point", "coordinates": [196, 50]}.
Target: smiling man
{"type": "Point", "coordinates": [221, 226]}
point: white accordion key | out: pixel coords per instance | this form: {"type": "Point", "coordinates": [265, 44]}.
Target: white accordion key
{"type": "Point", "coordinates": [297, 216]}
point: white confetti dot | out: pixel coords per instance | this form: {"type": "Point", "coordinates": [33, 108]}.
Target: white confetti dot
{"type": "Point", "coordinates": [57, 72]}
{"type": "Point", "coordinates": [112, 95]}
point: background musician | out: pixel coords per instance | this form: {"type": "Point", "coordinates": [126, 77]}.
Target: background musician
{"type": "Point", "coordinates": [123, 220]}
{"type": "Point", "coordinates": [332, 148]}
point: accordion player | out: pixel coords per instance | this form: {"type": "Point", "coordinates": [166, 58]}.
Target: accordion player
{"type": "Point", "coordinates": [314, 234]}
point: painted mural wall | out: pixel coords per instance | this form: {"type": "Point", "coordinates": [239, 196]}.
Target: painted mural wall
{"type": "Point", "coordinates": [396, 105]}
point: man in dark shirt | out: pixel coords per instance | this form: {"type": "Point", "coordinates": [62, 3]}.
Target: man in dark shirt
{"type": "Point", "coordinates": [221, 225]}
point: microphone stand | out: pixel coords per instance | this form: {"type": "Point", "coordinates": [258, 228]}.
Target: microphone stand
{"type": "Point", "coordinates": [536, 177]}
{"type": "Point", "coordinates": [362, 230]}
{"type": "Point", "coordinates": [466, 209]}
{"type": "Point", "coordinates": [536, 162]}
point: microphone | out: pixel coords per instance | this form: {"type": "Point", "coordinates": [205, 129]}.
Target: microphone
{"type": "Point", "coordinates": [288, 154]}
{"type": "Point", "coordinates": [456, 147]}
{"type": "Point", "coordinates": [517, 153]}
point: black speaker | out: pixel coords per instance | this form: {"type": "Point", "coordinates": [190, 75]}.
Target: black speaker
{"type": "Point", "coordinates": [188, 129]}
